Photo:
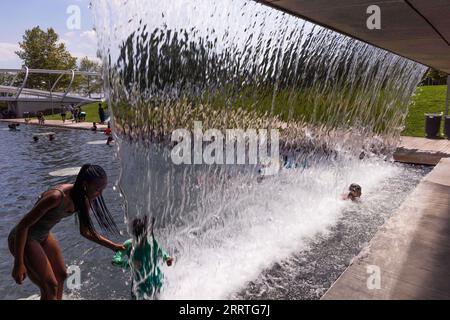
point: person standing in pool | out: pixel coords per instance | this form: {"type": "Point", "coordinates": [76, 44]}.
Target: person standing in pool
{"type": "Point", "coordinates": [143, 254]}
{"type": "Point", "coordinates": [36, 251]}
{"type": "Point", "coordinates": [108, 130]}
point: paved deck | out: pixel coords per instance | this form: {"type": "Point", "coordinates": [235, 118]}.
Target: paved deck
{"type": "Point", "coordinates": [412, 249]}
{"type": "Point", "coordinates": [422, 150]}
{"type": "Point", "coordinates": [58, 124]}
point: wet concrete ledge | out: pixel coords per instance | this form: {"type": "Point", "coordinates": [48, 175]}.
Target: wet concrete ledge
{"type": "Point", "coordinates": [57, 124]}
{"type": "Point", "coordinates": [415, 150]}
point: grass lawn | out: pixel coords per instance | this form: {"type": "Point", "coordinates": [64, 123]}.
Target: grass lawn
{"type": "Point", "coordinates": [91, 110]}
{"type": "Point", "coordinates": [428, 99]}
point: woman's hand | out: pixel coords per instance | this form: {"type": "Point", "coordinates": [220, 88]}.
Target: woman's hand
{"type": "Point", "coordinates": [19, 273]}
{"type": "Point", "coordinates": [119, 247]}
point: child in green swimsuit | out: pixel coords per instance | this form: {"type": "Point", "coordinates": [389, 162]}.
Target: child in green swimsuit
{"type": "Point", "coordinates": [143, 256]}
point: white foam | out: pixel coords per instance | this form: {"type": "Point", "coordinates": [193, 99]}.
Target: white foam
{"type": "Point", "coordinates": [268, 226]}
{"type": "Point", "coordinates": [44, 134]}
{"type": "Point", "coordinates": [73, 171]}
{"type": "Point", "coordinates": [97, 142]}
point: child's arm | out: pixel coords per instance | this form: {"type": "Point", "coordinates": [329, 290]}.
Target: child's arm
{"type": "Point", "coordinates": [165, 256]}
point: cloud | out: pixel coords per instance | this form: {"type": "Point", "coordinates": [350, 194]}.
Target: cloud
{"type": "Point", "coordinates": [8, 57]}
{"type": "Point", "coordinates": [89, 36]}
{"type": "Point", "coordinates": [81, 44]}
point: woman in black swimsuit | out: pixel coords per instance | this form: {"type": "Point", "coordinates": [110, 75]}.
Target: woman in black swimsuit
{"type": "Point", "coordinates": [36, 251]}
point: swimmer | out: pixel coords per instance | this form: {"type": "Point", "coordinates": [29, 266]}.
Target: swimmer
{"type": "Point", "coordinates": [13, 126]}
{"type": "Point", "coordinates": [354, 192]}
{"type": "Point", "coordinates": [35, 138]}
{"type": "Point", "coordinates": [110, 141]}
{"type": "Point", "coordinates": [34, 247]}
{"type": "Point", "coordinates": [143, 253]}
{"type": "Point", "coordinates": [108, 130]}
{"type": "Point", "coordinates": [51, 137]}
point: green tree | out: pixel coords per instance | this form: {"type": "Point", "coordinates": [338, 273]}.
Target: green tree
{"type": "Point", "coordinates": [90, 84]}
{"type": "Point", "coordinates": [42, 50]}
{"type": "Point", "coordinates": [434, 77]}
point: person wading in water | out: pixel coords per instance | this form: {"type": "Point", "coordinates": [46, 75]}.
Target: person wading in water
{"type": "Point", "coordinates": [35, 249]}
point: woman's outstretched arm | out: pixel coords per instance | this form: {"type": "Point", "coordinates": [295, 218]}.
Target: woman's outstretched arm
{"type": "Point", "coordinates": [48, 202]}
{"type": "Point", "coordinates": [99, 239]}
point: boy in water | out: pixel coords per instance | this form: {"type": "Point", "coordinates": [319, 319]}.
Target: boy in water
{"type": "Point", "coordinates": [13, 126]}
{"type": "Point", "coordinates": [108, 130]}
{"type": "Point", "coordinates": [354, 192]}
{"type": "Point", "coordinates": [143, 254]}
{"type": "Point", "coordinates": [110, 141]}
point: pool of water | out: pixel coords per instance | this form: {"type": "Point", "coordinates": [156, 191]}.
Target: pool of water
{"type": "Point", "coordinates": [310, 272]}
{"type": "Point", "coordinates": [290, 237]}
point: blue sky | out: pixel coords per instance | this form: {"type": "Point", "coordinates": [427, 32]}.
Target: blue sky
{"type": "Point", "coordinates": [19, 15]}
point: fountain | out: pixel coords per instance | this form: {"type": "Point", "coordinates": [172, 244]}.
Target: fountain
{"type": "Point", "coordinates": [335, 105]}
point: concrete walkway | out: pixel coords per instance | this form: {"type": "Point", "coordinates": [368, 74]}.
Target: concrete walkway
{"type": "Point", "coordinates": [412, 249]}
{"type": "Point", "coordinates": [58, 124]}
{"type": "Point", "coordinates": [422, 150]}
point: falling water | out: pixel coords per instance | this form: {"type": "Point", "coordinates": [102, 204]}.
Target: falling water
{"type": "Point", "coordinates": [337, 103]}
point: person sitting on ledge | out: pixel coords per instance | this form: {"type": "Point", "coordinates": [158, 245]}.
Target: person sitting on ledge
{"type": "Point", "coordinates": [94, 127]}
{"type": "Point", "coordinates": [354, 192]}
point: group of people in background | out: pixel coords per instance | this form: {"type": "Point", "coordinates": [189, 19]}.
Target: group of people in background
{"type": "Point", "coordinates": [78, 115]}
{"type": "Point", "coordinates": [76, 112]}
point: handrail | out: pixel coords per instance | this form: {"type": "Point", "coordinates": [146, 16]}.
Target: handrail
{"type": "Point", "coordinates": [70, 86]}
{"type": "Point", "coordinates": [54, 85]}
{"type": "Point", "coordinates": [23, 83]}
{"type": "Point", "coordinates": [47, 71]}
